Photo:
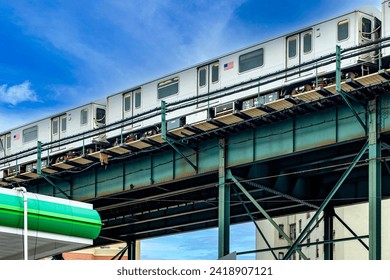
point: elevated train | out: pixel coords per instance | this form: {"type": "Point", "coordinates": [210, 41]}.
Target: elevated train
{"type": "Point", "coordinates": [262, 73]}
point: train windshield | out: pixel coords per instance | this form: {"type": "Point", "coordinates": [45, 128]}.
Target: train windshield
{"type": "Point", "coordinates": [100, 115]}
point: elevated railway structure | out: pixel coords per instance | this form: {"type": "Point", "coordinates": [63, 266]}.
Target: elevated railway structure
{"type": "Point", "coordinates": [313, 150]}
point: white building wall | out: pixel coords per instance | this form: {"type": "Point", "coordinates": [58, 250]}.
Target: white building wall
{"type": "Point", "coordinates": [355, 216]}
{"type": "Point", "coordinates": [288, 222]}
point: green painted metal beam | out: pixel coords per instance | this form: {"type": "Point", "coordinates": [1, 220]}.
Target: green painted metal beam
{"type": "Point", "coordinates": [223, 204]}
{"type": "Point", "coordinates": [132, 250]}
{"type": "Point", "coordinates": [46, 177]}
{"type": "Point", "coordinates": [374, 183]}
{"type": "Point", "coordinates": [326, 201]}
{"type": "Point", "coordinates": [262, 211]}
{"type": "Point", "coordinates": [39, 157]}
{"type": "Point", "coordinates": [328, 232]}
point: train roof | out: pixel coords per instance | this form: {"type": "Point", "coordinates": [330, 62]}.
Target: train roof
{"type": "Point", "coordinates": [369, 10]}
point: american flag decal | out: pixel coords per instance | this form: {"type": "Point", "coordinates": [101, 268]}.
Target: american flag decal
{"type": "Point", "coordinates": [228, 65]}
{"type": "Point", "coordinates": [16, 137]}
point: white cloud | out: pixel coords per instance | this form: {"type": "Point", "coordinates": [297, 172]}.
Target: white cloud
{"type": "Point", "coordinates": [17, 93]}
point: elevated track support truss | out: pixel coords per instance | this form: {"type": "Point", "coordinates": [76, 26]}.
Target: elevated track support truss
{"type": "Point", "coordinates": [314, 150]}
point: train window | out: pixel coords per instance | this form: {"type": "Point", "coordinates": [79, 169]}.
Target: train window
{"type": "Point", "coordinates": [292, 47]}
{"type": "Point", "coordinates": [100, 115]}
{"type": "Point", "coordinates": [84, 116]}
{"type": "Point", "coordinates": [63, 124]}
{"type": "Point", "coordinates": [215, 73]}
{"type": "Point", "coordinates": [54, 127]}
{"type": "Point", "coordinates": [8, 140]}
{"type": "Point", "coordinates": [1, 144]}
{"type": "Point", "coordinates": [342, 30]}
{"type": "Point", "coordinates": [30, 134]}
{"type": "Point", "coordinates": [202, 77]}
{"type": "Point", "coordinates": [137, 98]}
{"type": "Point", "coordinates": [307, 42]}
{"type": "Point", "coordinates": [168, 88]}
{"type": "Point", "coordinates": [251, 60]}
{"type": "Point", "coordinates": [127, 102]}
{"type": "Point", "coordinates": [366, 28]}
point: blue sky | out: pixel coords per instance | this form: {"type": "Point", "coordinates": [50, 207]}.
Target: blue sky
{"type": "Point", "coordinates": [55, 55]}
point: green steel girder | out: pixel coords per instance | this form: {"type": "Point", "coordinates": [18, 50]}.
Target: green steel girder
{"type": "Point", "coordinates": [56, 186]}
{"type": "Point", "coordinates": [278, 193]}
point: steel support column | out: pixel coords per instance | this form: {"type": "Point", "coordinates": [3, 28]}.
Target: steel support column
{"type": "Point", "coordinates": [374, 183]}
{"type": "Point", "coordinates": [328, 232]}
{"type": "Point", "coordinates": [223, 204]}
{"type": "Point", "coordinates": [132, 250]}
{"type": "Point", "coordinates": [39, 158]}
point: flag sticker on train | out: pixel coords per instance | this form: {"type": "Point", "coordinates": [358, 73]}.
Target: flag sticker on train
{"type": "Point", "coordinates": [16, 137]}
{"type": "Point", "coordinates": [228, 65]}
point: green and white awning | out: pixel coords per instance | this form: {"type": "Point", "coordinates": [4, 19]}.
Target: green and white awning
{"type": "Point", "coordinates": [54, 225]}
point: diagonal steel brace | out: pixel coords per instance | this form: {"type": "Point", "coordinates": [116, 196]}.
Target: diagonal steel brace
{"type": "Point", "coordinates": [261, 209]}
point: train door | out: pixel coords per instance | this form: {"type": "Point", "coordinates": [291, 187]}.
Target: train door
{"type": "Point", "coordinates": [5, 145]}
{"type": "Point", "coordinates": [299, 49]}
{"type": "Point", "coordinates": [99, 121]}
{"type": "Point", "coordinates": [137, 106]}
{"type": "Point", "coordinates": [369, 31]}
{"type": "Point", "coordinates": [132, 106]}
{"type": "Point", "coordinates": [55, 133]}
{"type": "Point", "coordinates": [58, 131]}
{"type": "Point", "coordinates": [208, 81]}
